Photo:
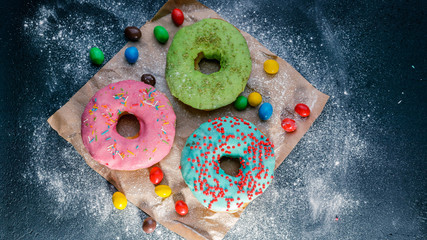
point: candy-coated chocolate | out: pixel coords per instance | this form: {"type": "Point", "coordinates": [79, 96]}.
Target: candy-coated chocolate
{"type": "Point", "coordinates": [96, 56]}
{"type": "Point", "coordinates": [177, 16]}
{"type": "Point", "coordinates": [265, 111]}
{"type": "Point", "coordinates": [132, 33]}
{"type": "Point", "coordinates": [149, 225]}
{"type": "Point", "coordinates": [131, 54]}
{"type": "Point", "coordinates": [302, 109]}
{"type": "Point", "coordinates": [163, 191]}
{"type": "Point", "coordinates": [156, 175]}
{"type": "Point", "coordinates": [156, 119]}
{"type": "Point", "coordinates": [241, 103]}
{"type": "Point", "coordinates": [227, 137]}
{"type": "Point", "coordinates": [161, 34]}
{"type": "Point", "coordinates": [181, 208]}
{"type": "Point", "coordinates": [148, 79]}
{"type": "Point", "coordinates": [271, 66]}
{"type": "Point", "coordinates": [254, 99]}
{"type": "Point", "coordinates": [119, 200]}
{"type": "Point", "coordinates": [289, 125]}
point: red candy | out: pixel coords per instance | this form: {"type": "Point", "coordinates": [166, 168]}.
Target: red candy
{"type": "Point", "coordinates": [289, 125]}
{"type": "Point", "coordinates": [302, 110]}
{"type": "Point", "coordinates": [156, 175]}
{"type": "Point", "coordinates": [177, 16]}
{"type": "Point", "coordinates": [181, 208]}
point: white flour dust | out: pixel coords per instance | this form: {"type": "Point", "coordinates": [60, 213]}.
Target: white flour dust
{"type": "Point", "coordinates": [309, 189]}
{"type": "Point", "coordinates": [69, 188]}
{"type": "Point", "coordinates": [308, 198]}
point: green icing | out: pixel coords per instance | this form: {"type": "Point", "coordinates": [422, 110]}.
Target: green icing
{"type": "Point", "coordinates": [215, 39]}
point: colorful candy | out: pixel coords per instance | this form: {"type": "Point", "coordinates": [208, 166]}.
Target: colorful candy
{"type": "Point", "coordinates": [131, 54]}
{"type": "Point", "coordinates": [177, 16]}
{"type": "Point", "coordinates": [119, 200]}
{"type": "Point", "coordinates": [161, 34]}
{"type": "Point", "coordinates": [241, 103]}
{"type": "Point", "coordinates": [96, 56]}
{"type": "Point", "coordinates": [265, 111]}
{"type": "Point", "coordinates": [271, 66]}
{"type": "Point", "coordinates": [181, 208]}
{"type": "Point", "coordinates": [163, 191]}
{"type": "Point", "coordinates": [132, 33]}
{"type": "Point", "coordinates": [289, 125]}
{"type": "Point", "coordinates": [149, 225]}
{"type": "Point", "coordinates": [302, 109]}
{"type": "Point", "coordinates": [148, 79]}
{"type": "Point", "coordinates": [254, 99]}
{"type": "Point", "coordinates": [156, 175]}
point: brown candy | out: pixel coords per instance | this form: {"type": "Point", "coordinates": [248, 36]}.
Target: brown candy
{"type": "Point", "coordinates": [133, 33]}
{"type": "Point", "coordinates": [148, 79]}
{"type": "Point", "coordinates": [149, 225]}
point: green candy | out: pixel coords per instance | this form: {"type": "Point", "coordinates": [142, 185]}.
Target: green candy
{"type": "Point", "coordinates": [241, 103]}
{"type": "Point", "coordinates": [161, 34]}
{"type": "Point", "coordinates": [96, 56]}
{"type": "Point", "coordinates": [210, 39]}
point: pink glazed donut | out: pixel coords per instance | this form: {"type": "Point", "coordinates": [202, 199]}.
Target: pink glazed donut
{"type": "Point", "coordinates": [155, 116]}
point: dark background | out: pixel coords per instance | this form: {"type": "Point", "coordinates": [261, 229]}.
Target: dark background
{"type": "Point", "coordinates": [363, 161]}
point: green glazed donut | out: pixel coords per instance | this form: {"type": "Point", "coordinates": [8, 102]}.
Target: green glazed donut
{"type": "Point", "coordinates": [210, 39]}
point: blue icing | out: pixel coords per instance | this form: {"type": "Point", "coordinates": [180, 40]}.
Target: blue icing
{"type": "Point", "coordinates": [216, 183]}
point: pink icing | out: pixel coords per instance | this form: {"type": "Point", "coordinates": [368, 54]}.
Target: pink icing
{"type": "Point", "coordinates": [154, 113]}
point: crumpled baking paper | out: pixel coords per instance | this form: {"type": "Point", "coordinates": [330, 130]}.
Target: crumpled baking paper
{"type": "Point", "coordinates": [283, 90]}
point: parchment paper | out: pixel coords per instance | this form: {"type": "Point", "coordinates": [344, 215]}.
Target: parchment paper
{"type": "Point", "coordinates": [283, 90]}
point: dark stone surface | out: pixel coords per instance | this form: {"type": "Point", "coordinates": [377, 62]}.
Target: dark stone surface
{"type": "Point", "coordinates": [363, 162]}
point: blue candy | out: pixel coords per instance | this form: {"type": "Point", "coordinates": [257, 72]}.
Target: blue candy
{"type": "Point", "coordinates": [131, 54]}
{"type": "Point", "coordinates": [265, 111]}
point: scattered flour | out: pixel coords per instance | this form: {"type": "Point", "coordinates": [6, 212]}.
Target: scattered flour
{"type": "Point", "coordinates": [309, 190]}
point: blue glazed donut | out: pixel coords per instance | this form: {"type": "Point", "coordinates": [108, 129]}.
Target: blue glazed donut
{"type": "Point", "coordinates": [227, 137]}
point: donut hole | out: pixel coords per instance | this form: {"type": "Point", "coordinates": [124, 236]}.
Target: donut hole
{"type": "Point", "coordinates": [230, 165]}
{"type": "Point", "coordinates": [205, 65]}
{"type": "Point", "coordinates": [128, 125]}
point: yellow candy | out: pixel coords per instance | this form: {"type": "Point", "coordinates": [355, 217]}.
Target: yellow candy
{"type": "Point", "coordinates": [254, 99]}
{"type": "Point", "coordinates": [163, 191]}
{"type": "Point", "coordinates": [271, 66]}
{"type": "Point", "coordinates": [119, 200]}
